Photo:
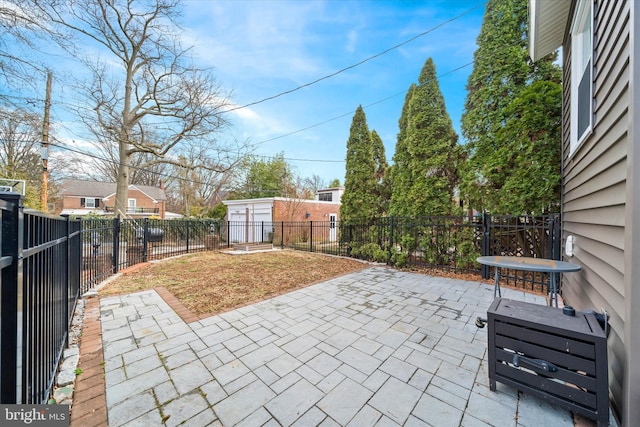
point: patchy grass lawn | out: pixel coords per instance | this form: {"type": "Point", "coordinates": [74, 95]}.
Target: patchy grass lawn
{"type": "Point", "coordinates": [213, 282]}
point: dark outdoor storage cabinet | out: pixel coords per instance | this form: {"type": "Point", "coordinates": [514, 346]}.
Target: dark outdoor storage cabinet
{"type": "Point", "coordinates": [541, 351]}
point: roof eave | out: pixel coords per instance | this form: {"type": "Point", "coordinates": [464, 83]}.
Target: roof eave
{"type": "Point", "coordinates": [548, 20]}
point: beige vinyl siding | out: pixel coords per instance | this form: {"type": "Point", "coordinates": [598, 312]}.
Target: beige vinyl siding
{"type": "Point", "coordinates": [595, 185]}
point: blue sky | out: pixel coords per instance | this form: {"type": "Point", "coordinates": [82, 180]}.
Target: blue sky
{"type": "Point", "coordinates": [260, 48]}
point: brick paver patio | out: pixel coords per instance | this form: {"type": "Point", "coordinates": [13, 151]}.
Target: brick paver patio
{"type": "Point", "coordinates": [376, 347]}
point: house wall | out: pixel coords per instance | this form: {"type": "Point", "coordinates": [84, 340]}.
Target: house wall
{"type": "Point", "coordinates": [631, 396]}
{"type": "Point", "coordinates": [142, 201]}
{"type": "Point", "coordinates": [316, 227]}
{"type": "Point", "coordinates": [296, 210]}
{"type": "Point", "coordinates": [250, 219]}
{"type": "Point", "coordinates": [73, 202]}
{"type": "Point", "coordinates": [598, 200]}
{"type": "Point", "coordinates": [336, 194]}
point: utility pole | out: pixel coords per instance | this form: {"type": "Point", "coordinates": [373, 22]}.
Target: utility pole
{"type": "Point", "coordinates": [45, 144]}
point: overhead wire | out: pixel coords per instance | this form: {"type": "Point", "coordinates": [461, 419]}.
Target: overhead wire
{"type": "Point", "coordinates": [293, 90]}
{"type": "Point", "coordinates": [162, 174]}
{"type": "Point", "coordinates": [350, 113]}
{"type": "Point", "coordinates": [342, 70]}
{"type": "Point", "coordinates": [58, 145]}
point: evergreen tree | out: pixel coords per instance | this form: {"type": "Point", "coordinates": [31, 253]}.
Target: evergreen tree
{"type": "Point", "coordinates": [424, 180]}
{"type": "Point", "coordinates": [383, 192]}
{"type": "Point", "coordinates": [399, 171]}
{"type": "Point", "coordinates": [359, 201]}
{"type": "Point", "coordinates": [512, 119]}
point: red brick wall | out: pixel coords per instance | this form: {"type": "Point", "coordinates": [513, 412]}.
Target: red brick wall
{"type": "Point", "coordinates": [142, 201]}
{"type": "Point", "coordinates": [73, 203]}
{"type": "Point", "coordinates": [296, 210]}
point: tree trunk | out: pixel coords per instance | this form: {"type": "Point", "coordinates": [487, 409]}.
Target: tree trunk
{"type": "Point", "coordinates": [122, 182]}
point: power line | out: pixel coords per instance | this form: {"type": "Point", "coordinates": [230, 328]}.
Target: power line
{"type": "Point", "coordinates": [116, 162]}
{"type": "Point", "coordinates": [342, 70]}
{"type": "Point", "coordinates": [161, 174]}
{"type": "Point", "coordinates": [267, 140]}
{"type": "Point", "coordinates": [432, 29]}
{"type": "Point", "coordinates": [350, 113]}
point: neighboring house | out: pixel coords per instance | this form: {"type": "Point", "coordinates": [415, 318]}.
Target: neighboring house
{"type": "Point", "coordinates": [254, 213]}
{"type": "Point", "coordinates": [85, 197]}
{"type": "Point", "coordinates": [330, 194]}
{"type": "Point", "coordinates": [600, 43]}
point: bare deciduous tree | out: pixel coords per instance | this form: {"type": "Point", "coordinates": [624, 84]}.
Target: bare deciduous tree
{"type": "Point", "coordinates": [145, 167]}
{"type": "Point", "coordinates": [315, 183]}
{"type": "Point", "coordinates": [25, 36]}
{"type": "Point", "coordinates": [20, 150]}
{"type": "Point", "coordinates": [196, 191]}
{"type": "Point", "coordinates": [146, 97]}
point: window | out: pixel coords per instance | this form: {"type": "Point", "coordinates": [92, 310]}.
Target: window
{"type": "Point", "coordinates": [87, 202]}
{"type": "Point", "coordinates": [131, 205]}
{"type": "Point", "coordinates": [325, 197]}
{"type": "Point", "coordinates": [581, 74]}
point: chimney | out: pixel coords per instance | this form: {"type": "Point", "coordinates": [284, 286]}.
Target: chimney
{"type": "Point", "coordinates": [162, 185]}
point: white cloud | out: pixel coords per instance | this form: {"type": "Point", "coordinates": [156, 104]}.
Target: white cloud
{"type": "Point", "coordinates": [352, 41]}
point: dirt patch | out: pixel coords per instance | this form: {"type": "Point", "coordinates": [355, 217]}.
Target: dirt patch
{"type": "Point", "coordinates": [214, 282]}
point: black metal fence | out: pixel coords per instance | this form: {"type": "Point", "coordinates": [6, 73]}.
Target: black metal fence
{"type": "Point", "coordinates": [527, 236]}
{"type": "Point", "coordinates": [450, 243]}
{"type": "Point", "coordinates": [113, 244]}
{"type": "Point", "coordinates": [47, 261]}
{"type": "Point", "coordinates": [39, 288]}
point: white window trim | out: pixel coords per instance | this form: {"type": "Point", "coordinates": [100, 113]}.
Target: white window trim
{"type": "Point", "coordinates": [584, 11]}
{"type": "Point", "coordinates": [131, 206]}
{"type": "Point", "coordinates": [87, 203]}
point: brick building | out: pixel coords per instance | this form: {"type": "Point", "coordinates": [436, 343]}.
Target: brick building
{"type": "Point", "coordinates": [85, 197]}
{"type": "Point", "coordinates": [248, 217]}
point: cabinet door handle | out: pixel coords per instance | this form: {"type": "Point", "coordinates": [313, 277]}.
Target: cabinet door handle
{"type": "Point", "coordinates": [527, 362]}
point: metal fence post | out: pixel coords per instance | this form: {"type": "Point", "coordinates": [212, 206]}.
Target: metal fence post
{"type": "Point", "coordinates": [115, 255]}
{"type": "Point", "coordinates": [390, 251]}
{"type": "Point", "coordinates": [557, 244]}
{"type": "Point", "coordinates": [282, 235]}
{"type": "Point", "coordinates": [310, 236]}
{"type": "Point", "coordinates": [145, 239]}
{"type": "Point", "coordinates": [486, 241]}
{"type": "Point", "coordinates": [555, 237]}
{"type": "Point", "coordinates": [187, 234]}
{"type": "Point", "coordinates": [68, 308]}
{"type": "Point", "coordinates": [11, 291]}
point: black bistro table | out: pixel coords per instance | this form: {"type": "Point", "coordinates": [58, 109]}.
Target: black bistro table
{"type": "Point", "coordinates": [542, 265]}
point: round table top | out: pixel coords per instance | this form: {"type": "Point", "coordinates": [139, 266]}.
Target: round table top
{"type": "Point", "coordinates": [529, 264]}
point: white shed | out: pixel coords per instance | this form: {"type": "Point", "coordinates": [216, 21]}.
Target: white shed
{"type": "Point", "coordinates": [250, 220]}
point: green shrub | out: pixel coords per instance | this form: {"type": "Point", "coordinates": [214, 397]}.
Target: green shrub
{"type": "Point", "coordinates": [398, 258]}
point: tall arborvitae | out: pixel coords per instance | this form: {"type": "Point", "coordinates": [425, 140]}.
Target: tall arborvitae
{"type": "Point", "coordinates": [382, 169]}
{"type": "Point", "coordinates": [425, 157]}
{"type": "Point", "coordinates": [512, 119]}
{"type": "Point", "coordinates": [399, 171]}
{"type": "Point", "coordinates": [359, 201]}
